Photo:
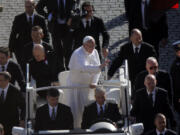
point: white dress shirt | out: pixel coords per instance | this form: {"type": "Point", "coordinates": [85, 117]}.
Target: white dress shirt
{"type": "Point", "coordinates": [51, 110]}
{"type": "Point", "coordinates": [5, 66]}
{"type": "Point", "coordinates": [27, 16]}
{"type": "Point", "coordinates": [134, 48]}
{"type": "Point", "coordinates": [5, 91]}
{"type": "Point", "coordinates": [99, 108]}
{"type": "Point", "coordinates": [84, 21]}
{"type": "Point", "coordinates": [153, 95]}
{"type": "Point", "coordinates": [163, 133]}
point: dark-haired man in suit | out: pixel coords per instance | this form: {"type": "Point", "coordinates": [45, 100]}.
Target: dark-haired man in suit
{"type": "Point", "coordinates": [92, 26]}
{"type": "Point", "coordinates": [100, 109]}
{"type": "Point", "coordinates": [136, 52]}
{"type": "Point", "coordinates": [149, 101]}
{"type": "Point", "coordinates": [21, 30]}
{"type": "Point", "coordinates": [160, 123]}
{"type": "Point", "coordinates": [6, 64]}
{"type": "Point", "coordinates": [12, 104]}
{"type": "Point", "coordinates": [58, 14]}
{"type": "Point", "coordinates": [53, 115]}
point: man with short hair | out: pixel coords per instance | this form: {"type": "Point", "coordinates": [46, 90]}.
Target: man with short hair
{"type": "Point", "coordinates": [12, 104]}
{"type": "Point", "coordinates": [37, 35]}
{"type": "Point", "coordinates": [93, 26]}
{"type": "Point", "coordinates": [6, 64]}
{"type": "Point", "coordinates": [99, 110]}
{"type": "Point", "coordinates": [149, 101]}
{"type": "Point", "coordinates": [44, 68]}
{"type": "Point", "coordinates": [163, 77]}
{"type": "Point", "coordinates": [21, 30]}
{"type": "Point", "coordinates": [160, 123]}
{"type": "Point", "coordinates": [85, 70]}
{"type": "Point", "coordinates": [53, 115]}
{"type": "Point", "coordinates": [135, 52]}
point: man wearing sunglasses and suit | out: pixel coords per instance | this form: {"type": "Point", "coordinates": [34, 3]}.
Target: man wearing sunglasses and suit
{"type": "Point", "coordinates": [163, 77]}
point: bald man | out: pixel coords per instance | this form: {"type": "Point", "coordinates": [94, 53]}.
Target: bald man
{"type": "Point", "coordinates": [136, 52]}
{"type": "Point", "coordinates": [160, 123]}
{"type": "Point", "coordinates": [21, 30]}
{"type": "Point", "coordinates": [149, 101]}
{"type": "Point", "coordinates": [44, 68]}
{"type": "Point", "coordinates": [163, 77]}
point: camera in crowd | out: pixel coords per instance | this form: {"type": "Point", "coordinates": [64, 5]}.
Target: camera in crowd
{"type": "Point", "coordinates": [78, 13]}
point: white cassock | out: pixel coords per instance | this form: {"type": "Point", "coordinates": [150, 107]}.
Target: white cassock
{"type": "Point", "coordinates": [84, 70]}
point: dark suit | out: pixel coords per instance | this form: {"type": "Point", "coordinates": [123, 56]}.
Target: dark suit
{"type": "Point", "coordinates": [135, 64]}
{"type": "Point", "coordinates": [167, 132]}
{"type": "Point", "coordinates": [46, 71]}
{"type": "Point", "coordinates": [175, 73]}
{"type": "Point", "coordinates": [64, 118]}
{"type": "Point", "coordinates": [21, 34]}
{"type": "Point", "coordinates": [61, 36]}
{"type": "Point", "coordinates": [143, 110]}
{"type": "Point", "coordinates": [90, 114]}
{"type": "Point", "coordinates": [9, 114]}
{"type": "Point", "coordinates": [16, 74]}
{"type": "Point", "coordinates": [163, 81]}
{"type": "Point", "coordinates": [27, 53]}
{"type": "Point", "coordinates": [157, 24]}
{"type": "Point", "coordinates": [96, 29]}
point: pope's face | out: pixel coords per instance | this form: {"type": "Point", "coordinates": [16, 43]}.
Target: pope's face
{"type": "Point", "coordinates": [89, 46]}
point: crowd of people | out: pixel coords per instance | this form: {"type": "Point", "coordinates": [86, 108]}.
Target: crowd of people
{"type": "Point", "coordinates": [155, 92]}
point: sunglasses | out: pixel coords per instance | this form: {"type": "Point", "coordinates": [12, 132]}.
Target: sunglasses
{"type": "Point", "coordinates": [153, 67]}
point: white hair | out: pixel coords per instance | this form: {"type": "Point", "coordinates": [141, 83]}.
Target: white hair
{"type": "Point", "coordinates": [88, 38]}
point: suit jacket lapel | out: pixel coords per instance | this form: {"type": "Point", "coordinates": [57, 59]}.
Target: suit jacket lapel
{"type": "Point", "coordinates": [156, 95]}
{"type": "Point", "coordinates": [47, 112]}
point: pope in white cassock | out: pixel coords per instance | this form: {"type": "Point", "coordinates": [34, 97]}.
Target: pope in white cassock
{"type": "Point", "coordinates": [85, 70]}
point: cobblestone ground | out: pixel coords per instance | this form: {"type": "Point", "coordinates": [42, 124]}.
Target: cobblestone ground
{"type": "Point", "coordinates": [113, 14]}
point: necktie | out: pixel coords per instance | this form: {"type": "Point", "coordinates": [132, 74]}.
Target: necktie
{"type": "Point", "coordinates": [136, 50]}
{"type": "Point", "coordinates": [3, 68]}
{"type": "Point", "coordinates": [151, 98]}
{"type": "Point", "coordinates": [2, 96]}
{"type": "Point", "coordinates": [53, 115]}
{"type": "Point", "coordinates": [61, 9]}
{"type": "Point", "coordinates": [87, 25]}
{"type": "Point", "coordinates": [30, 21]}
{"type": "Point", "coordinates": [101, 111]}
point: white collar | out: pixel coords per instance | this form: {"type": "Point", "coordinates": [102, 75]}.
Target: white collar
{"type": "Point", "coordinates": [55, 107]}
{"type": "Point", "coordinates": [27, 16]}
{"type": "Point", "coordinates": [148, 1]}
{"type": "Point", "coordinates": [134, 46]}
{"type": "Point", "coordinates": [103, 106]}
{"type": "Point", "coordinates": [153, 92]}
{"type": "Point", "coordinates": [158, 133]}
{"type": "Point", "coordinates": [5, 90]}
{"type": "Point", "coordinates": [41, 42]}
{"type": "Point", "coordinates": [5, 66]}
